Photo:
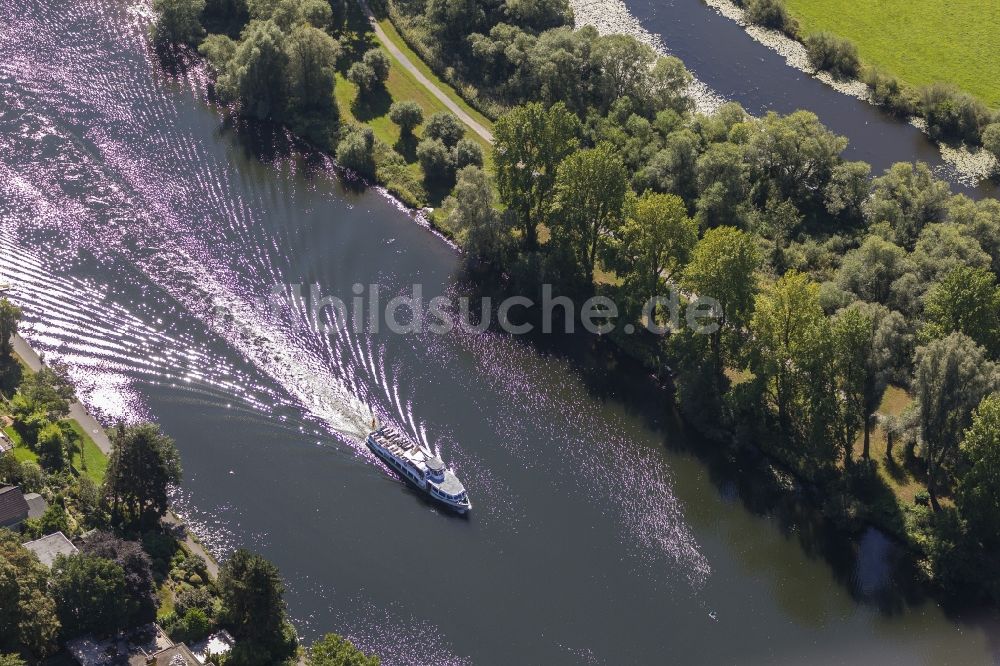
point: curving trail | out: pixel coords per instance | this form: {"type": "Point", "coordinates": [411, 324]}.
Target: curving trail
{"type": "Point", "coordinates": [407, 64]}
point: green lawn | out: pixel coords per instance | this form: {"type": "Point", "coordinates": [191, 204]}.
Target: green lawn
{"type": "Point", "coordinates": [21, 452]}
{"type": "Point", "coordinates": [397, 39]}
{"type": "Point", "coordinates": [93, 463]}
{"type": "Point", "coordinates": [920, 42]}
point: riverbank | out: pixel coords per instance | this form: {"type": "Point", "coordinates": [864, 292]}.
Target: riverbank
{"type": "Point", "coordinates": [80, 415]}
{"type": "Point", "coordinates": [973, 165]}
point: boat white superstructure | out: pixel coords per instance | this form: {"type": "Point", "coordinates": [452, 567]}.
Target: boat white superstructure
{"type": "Point", "coordinates": [420, 467]}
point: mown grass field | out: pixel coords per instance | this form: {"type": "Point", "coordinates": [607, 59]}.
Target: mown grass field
{"type": "Point", "coordinates": [921, 42]}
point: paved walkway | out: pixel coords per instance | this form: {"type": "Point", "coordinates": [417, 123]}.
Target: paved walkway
{"type": "Point", "coordinates": [405, 61]}
{"type": "Point", "coordinates": [79, 413]}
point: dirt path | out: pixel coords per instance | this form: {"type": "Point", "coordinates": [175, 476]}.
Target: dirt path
{"type": "Point", "coordinates": [79, 413]}
{"type": "Point", "coordinates": [405, 61]}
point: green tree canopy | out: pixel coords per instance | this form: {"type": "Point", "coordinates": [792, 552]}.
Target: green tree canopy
{"type": "Point", "coordinates": [179, 21]}
{"type": "Point", "coordinates": [529, 143]}
{"type": "Point", "coordinates": [978, 494]}
{"type": "Point", "coordinates": [27, 614]}
{"type": "Point", "coordinates": [88, 592]}
{"type": "Point", "coordinates": [723, 267]}
{"type": "Point", "coordinates": [952, 377]}
{"type": "Point", "coordinates": [967, 300]}
{"type": "Point", "coordinates": [333, 650]}
{"type": "Point", "coordinates": [407, 114]}
{"type": "Point", "coordinates": [253, 608]}
{"type": "Point", "coordinates": [143, 464]}
{"type": "Point", "coordinates": [653, 245]}
{"type": "Point", "coordinates": [10, 315]}
{"type": "Point", "coordinates": [590, 197]}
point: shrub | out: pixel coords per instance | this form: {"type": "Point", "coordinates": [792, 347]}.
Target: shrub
{"type": "Point", "coordinates": [356, 151]}
{"type": "Point", "coordinates": [468, 153]}
{"type": "Point", "coordinates": [833, 54]}
{"type": "Point", "coordinates": [888, 93]}
{"type": "Point", "coordinates": [362, 76]}
{"type": "Point", "coordinates": [435, 159]}
{"type": "Point", "coordinates": [407, 115]}
{"type": "Point", "coordinates": [379, 63]}
{"type": "Point", "coordinates": [445, 127]}
{"type": "Point", "coordinates": [194, 598]}
{"type": "Point", "coordinates": [991, 139]}
{"type": "Point", "coordinates": [953, 114]}
{"type": "Point", "coordinates": [771, 14]}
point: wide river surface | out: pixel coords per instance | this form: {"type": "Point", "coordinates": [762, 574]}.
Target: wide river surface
{"type": "Point", "coordinates": [145, 233]}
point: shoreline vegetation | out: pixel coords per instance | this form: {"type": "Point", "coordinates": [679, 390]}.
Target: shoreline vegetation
{"type": "Point", "coordinates": [965, 128]}
{"type": "Point", "coordinates": [137, 562]}
{"type": "Point", "coordinates": [833, 285]}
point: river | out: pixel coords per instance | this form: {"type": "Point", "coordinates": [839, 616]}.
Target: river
{"type": "Point", "coordinates": [145, 232]}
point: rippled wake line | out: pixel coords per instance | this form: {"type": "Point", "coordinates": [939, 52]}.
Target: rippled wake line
{"type": "Point", "coordinates": [147, 221]}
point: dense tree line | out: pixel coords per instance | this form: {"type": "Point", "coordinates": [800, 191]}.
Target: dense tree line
{"type": "Point", "coordinates": [831, 284]}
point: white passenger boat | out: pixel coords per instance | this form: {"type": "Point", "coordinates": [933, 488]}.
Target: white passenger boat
{"type": "Point", "coordinates": [421, 468]}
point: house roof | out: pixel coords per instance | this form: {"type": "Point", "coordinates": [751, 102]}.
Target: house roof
{"type": "Point", "coordinates": [13, 507]}
{"type": "Point", "coordinates": [49, 547]}
{"type": "Point", "coordinates": [36, 505]}
{"type": "Point", "coordinates": [5, 444]}
{"type": "Point", "coordinates": [178, 655]}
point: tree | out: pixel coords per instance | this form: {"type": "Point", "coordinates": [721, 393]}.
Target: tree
{"type": "Point", "coordinates": [471, 213]}
{"type": "Point", "coordinates": [795, 353]}
{"type": "Point", "coordinates": [379, 62]}
{"type": "Point", "coordinates": [654, 244]}
{"type": "Point", "coordinates": [256, 73]}
{"type": "Point", "coordinates": [27, 614]}
{"type": "Point", "coordinates": [363, 76]}
{"type": "Point", "coordinates": [444, 127]}
{"type": "Point", "coordinates": [538, 15]}
{"type": "Point", "coordinates": [870, 271]}
{"type": "Point", "coordinates": [530, 141]}
{"type": "Point", "coordinates": [908, 197]}
{"type": "Point", "coordinates": [51, 447]}
{"type": "Point", "coordinates": [624, 63]}
{"type": "Point", "coordinates": [371, 72]}
{"type": "Point", "coordinates": [864, 336]}
{"type": "Point", "coordinates": [252, 604]}
{"type": "Point", "coordinates": [11, 660]}
{"type": "Point", "coordinates": [143, 464]}
{"type": "Point", "coordinates": [88, 591]}
{"type": "Point", "coordinates": [590, 196]}
{"type": "Point", "coordinates": [179, 21]}
{"type": "Point", "coordinates": [792, 157]}
{"type": "Point", "coordinates": [723, 180]}
{"type": "Point", "coordinates": [468, 153]}
{"type": "Point", "coordinates": [139, 601]}
{"type": "Point", "coordinates": [966, 300]}
{"type": "Point", "coordinates": [10, 315]}
{"type": "Point", "coordinates": [978, 495]}
{"type": "Point", "coordinates": [356, 151]}
{"type": "Point", "coordinates": [991, 140]}
{"type": "Point", "coordinates": [848, 189]}
{"type": "Point", "coordinates": [312, 54]}
{"type": "Point", "coordinates": [333, 650]}
{"type": "Point", "coordinates": [407, 114]}
{"type": "Point", "coordinates": [723, 267]}
{"type": "Point", "coordinates": [289, 14]}
{"type": "Point", "coordinates": [435, 159]}
{"type": "Point", "coordinates": [951, 378]}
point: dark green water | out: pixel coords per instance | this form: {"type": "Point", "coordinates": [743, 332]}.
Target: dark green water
{"type": "Point", "coordinates": [132, 214]}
